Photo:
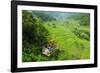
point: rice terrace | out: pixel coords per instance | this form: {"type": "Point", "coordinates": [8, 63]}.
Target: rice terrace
{"type": "Point", "coordinates": [55, 36]}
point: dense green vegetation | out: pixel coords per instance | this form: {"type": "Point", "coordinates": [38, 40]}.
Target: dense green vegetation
{"type": "Point", "coordinates": [67, 33]}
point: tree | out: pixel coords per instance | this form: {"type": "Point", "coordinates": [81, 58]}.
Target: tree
{"type": "Point", "coordinates": [33, 30]}
{"type": "Point", "coordinates": [33, 36]}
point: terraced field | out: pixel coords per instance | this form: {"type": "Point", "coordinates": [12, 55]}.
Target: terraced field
{"type": "Point", "coordinates": [72, 46]}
